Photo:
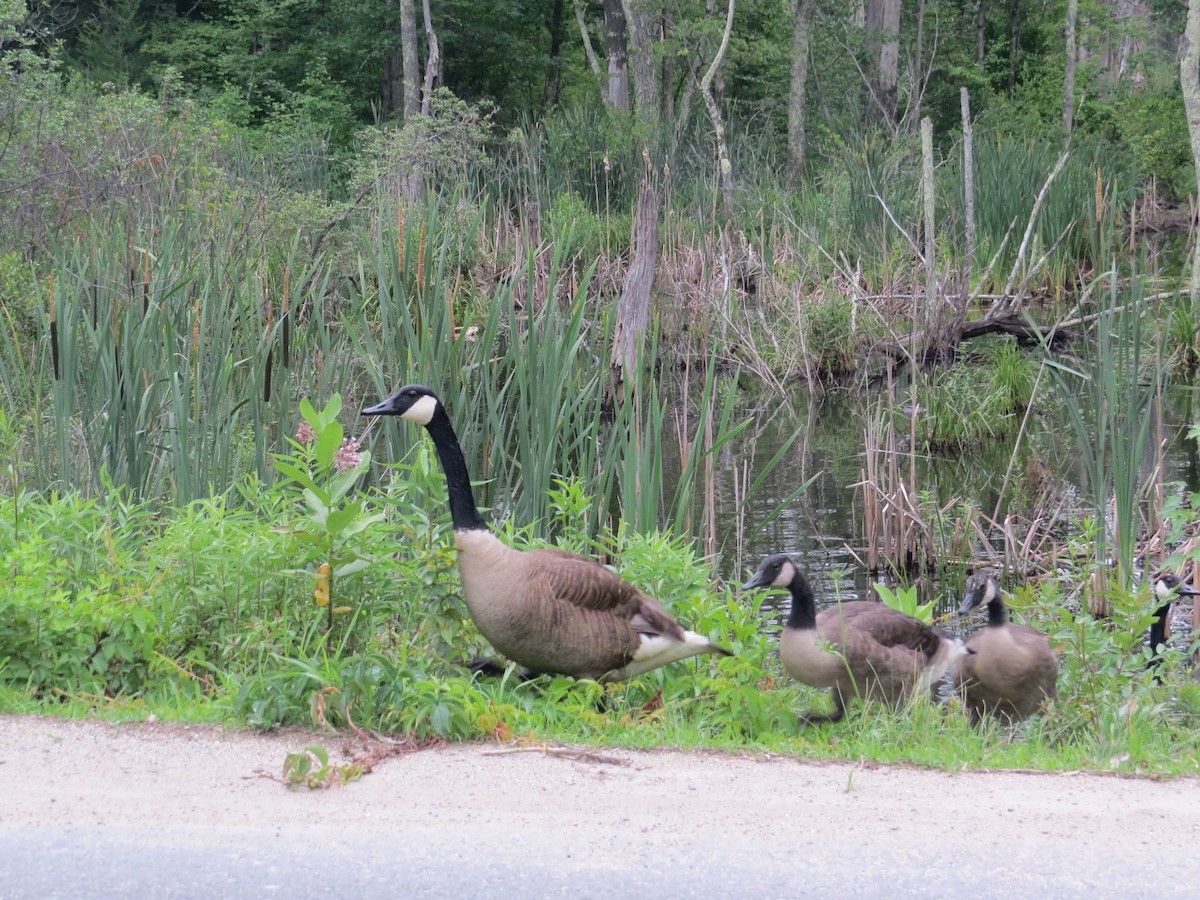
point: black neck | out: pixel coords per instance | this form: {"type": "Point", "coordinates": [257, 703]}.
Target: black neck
{"type": "Point", "coordinates": [1158, 627]}
{"type": "Point", "coordinates": [804, 608]}
{"type": "Point", "coordinates": [997, 614]}
{"type": "Point", "coordinates": [463, 511]}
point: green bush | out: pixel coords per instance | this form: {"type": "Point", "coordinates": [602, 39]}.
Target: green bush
{"type": "Point", "coordinates": [74, 617]}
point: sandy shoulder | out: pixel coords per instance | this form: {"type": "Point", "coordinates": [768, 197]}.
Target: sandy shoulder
{"type": "Point", "coordinates": [692, 807]}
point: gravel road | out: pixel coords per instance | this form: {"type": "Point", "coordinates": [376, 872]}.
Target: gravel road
{"type": "Point", "coordinates": [95, 809]}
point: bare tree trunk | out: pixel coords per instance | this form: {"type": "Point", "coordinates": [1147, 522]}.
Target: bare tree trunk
{"type": "Point", "coordinates": [718, 121]}
{"type": "Point", "coordinates": [616, 42]}
{"type": "Point", "coordinates": [932, 317]}
{"type": "Point", "coordinates": [644, 31]}
{"type": "Point", "coordinates": [883, 42]}
{"type": "Point", "coordinates": [1014, 43]}
{"type": "Point", "coordinates": [968, 191]}
{"type": "Point", "coordinates": [433, 62]}
{"type": "Point", "coordinates": [802, 19]}
{"type": "Point", "coordinates": [408, 49]}
{"type": "Point", "coordinates": [590, 51]}
{"type": "Point", "coordinates": [393, 82]}
{"type": "Point", "coordinates": [1069, 79]}
{"type": "Point", "coordinates": [980, 32]}
{"type": "Point", "coordinates": [554, 70]}
{"type": "Point", "coordinates": [1189, 80]}
{"type": "Point", "coordinates": [633, 309]}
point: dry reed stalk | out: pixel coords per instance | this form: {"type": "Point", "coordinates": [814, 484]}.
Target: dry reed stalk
{"type": "Point", "coordinates": [710, 493]}
{"type": "Point", "coordinates": [54, 359]}
{"type": "Point", "coordinates": [400, 241]}
{"type": "Point", "coordinates": [421, 260]}
{"type": "Point", "coordinates": [286, 319]}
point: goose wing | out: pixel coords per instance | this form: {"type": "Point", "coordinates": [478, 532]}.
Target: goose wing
{"type": "Point", "coordinates": [1014, 662]}
{"type": "Point", "coordinates": [587, 584]}
{"type": "Point", "coordinates": [883, 625]}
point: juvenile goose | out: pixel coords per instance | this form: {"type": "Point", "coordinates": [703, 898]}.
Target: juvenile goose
{"type": "Point", "coordinates": [1166, 588]}
{"type": "Point", "coordinates": [1009, 670]}
{"type": "Point", "coordinates": [547, 610]}
{"type": "Point", "coordinates": [860, 648]}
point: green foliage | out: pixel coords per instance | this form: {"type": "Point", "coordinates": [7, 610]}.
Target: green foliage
{"type": "Point", "coordinates": [980, 398]}
{"type": "Point", "coordinates": [441, 150]}
{"type": "Point", "coordinates": [1155, 129]}
{"type": "Point", "coordinates": [326, 467]}
{"type": "Point", "coordinates": [906, 600]}
{"type": "Point", "coordinates": [311, 768]}
{"type": "Point", "coordinates": [73, 619]}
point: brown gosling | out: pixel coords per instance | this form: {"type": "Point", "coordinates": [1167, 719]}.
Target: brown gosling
{"type": "Point", "coordinates": [1009, 670]}
{"type": "Point", "coordinates": [859, 649]}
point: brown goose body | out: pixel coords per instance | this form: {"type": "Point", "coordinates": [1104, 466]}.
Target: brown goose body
{"type": "Point", "coordinates": [1009, 670]}
{"type": "Point", "coordinates": [548, 610]}
{"type": "Point", "coordinates": [858, 649]}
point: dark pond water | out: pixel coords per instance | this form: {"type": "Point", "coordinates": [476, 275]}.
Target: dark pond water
{"type": "Point", "coordinates": [823, 529]}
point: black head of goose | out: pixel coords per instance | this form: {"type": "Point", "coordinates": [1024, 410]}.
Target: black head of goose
{"type": "Point", "coordinates": [1167, 587]}
{"type": "Point", "coordinates": [547, 610]}
{"type": "Point", "coordinates": [1009, 670]}
{"type": "Point", "coordinates": [860, 648]}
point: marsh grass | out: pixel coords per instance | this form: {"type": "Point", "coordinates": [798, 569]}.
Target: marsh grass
{"type": "Point", "coordinates": [1110, 399]}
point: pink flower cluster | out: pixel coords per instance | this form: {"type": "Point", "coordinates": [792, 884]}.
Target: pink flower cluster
{"type": "Point", "coordinates": [305, 434]}
{"type": "Point", "coordinates": [347, 456]}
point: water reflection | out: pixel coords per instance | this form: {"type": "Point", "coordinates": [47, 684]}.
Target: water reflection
{"type": "Point", "coordinates": [822, 528]}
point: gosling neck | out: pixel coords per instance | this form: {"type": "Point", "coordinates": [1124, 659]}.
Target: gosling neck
{"type": "Point", "coordinates": [803, 614]}
{"type": "Point", "coordinates": [997, 614]}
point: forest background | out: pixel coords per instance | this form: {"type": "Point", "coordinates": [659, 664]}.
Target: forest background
{"type": "Point", "coordinates": [596, 226]}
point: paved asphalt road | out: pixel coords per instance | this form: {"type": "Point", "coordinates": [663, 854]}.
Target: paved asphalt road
{"type": "Point", "coordinates": [91, 809]}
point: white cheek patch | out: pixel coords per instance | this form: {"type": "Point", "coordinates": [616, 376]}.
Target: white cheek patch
{"type": "Point", "coordinates": [422, 411]}
{"type": "Point", "coordinates": [786, 573]}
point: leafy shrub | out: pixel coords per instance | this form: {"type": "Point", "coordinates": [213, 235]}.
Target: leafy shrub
{"type": "Point", "coordinates": [73, 616]}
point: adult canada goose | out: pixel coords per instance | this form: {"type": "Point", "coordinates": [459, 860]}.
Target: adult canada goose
{"type": "Point", "coordinates": [1166, 588]}
{"type": "Point", "coordinates": [1009, 670]}
{"type": "Point", "coordinates": [548, 610]}
{"type": "Point", "coordinates": [860, 648]}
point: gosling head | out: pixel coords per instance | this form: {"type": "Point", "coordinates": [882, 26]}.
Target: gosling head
{"type": "Point", "coordinates": [414, 402]}
{"type": "Point", "coordinates": [981, 588]}
{"type": "Point", "coordinates": [776, 570]}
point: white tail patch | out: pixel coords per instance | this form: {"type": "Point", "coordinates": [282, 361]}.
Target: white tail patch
{"type": "Point", "coordinates": [950, 651]}
{"type": "Point", "coordinates": [657, 650]}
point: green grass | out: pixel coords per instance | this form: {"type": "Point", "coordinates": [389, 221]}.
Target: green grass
{"type": "Point", "coordinates": [207, 614]}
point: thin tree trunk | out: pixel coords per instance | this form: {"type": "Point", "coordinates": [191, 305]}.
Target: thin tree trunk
{"type": "Point", "coordinates": [408, 49]}
{"type": "Point", "coordinates": [802, 19]}
{"type": "Point", "coordinates": [633, 309]}
{"type": "Point", "coordinates": [932, 317]}
{"type": "Point", "coordinates": [589, 51]}
{"type": "Point", "coordinates": [1014, 43]}
{"type": "Point", "coordinates": [617, 44]}
{"type": "Point", "coordinates": [1189, 80]}
{"type": "Point", "coordinates": [554, 73]}
{"type": "Point", "coordinates": [980, 32]}
{"type": "Point", "coordinates": [1069, 79]}
{"type": "Point", "coordinates": [968, 192]}
{"type": "Point", "coordinates": [718, 121]}
{"type": "Point", "coordinates": [433, 62]}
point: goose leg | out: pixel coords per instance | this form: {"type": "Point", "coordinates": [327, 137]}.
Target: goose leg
{"type": "Point", "coordinates": [494, 670]}
{"type": "Point", "coordinates": [839, 712]}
